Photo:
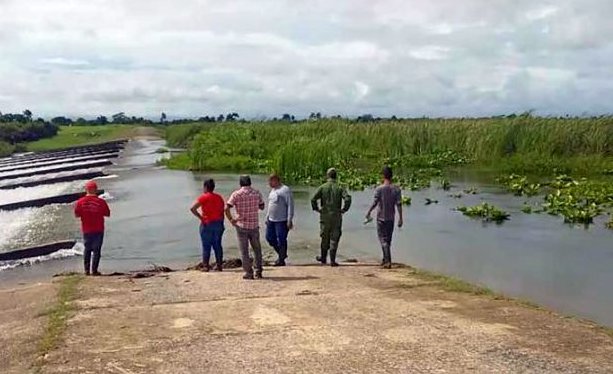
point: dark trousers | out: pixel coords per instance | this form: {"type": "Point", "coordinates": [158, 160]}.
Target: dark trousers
{"type": "Point", "coordinates": [210, 235]}
{"type": "Point", "coordinates": [276, 236]}
{"type": "Point", "coordinates": [385, 229]}
{"type": "Point", "coordinates": [93, 244]}
{"type": "Point", "coordinates": [330, 232]}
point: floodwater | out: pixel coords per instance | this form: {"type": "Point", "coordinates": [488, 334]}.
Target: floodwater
{"type": "Point", "coordinates": [534, 257]}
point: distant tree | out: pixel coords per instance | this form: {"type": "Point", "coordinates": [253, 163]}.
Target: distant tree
{"type": "Point", "coordinates": [81, 121]}
{"type": "Point", "coordinates": [366, 118]}
{"type": "Point", "coordinates": [163, 117]}
{"type": "Point", "coordinates": [28, 114]}
{"type": "Point", "coordinates": [61, 121]}
{"type": "Point", "coordinates": [206, 119]}
{"type": "Point", "coordinates": [288, 117]}
{"type": "Point", "coordinates": [101, 120]}
{"type": "Point", "coordinates": [231, 117]}
{"type": "Point", "coordinates": [315, 116]}
{"type": "Point", "coordinates": [120, 118]}
{"type": "Point", "coordinates": [220, 118]}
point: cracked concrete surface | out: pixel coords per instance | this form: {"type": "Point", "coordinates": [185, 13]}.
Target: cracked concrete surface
{"type": "Point", "coordinates": [352, 319]}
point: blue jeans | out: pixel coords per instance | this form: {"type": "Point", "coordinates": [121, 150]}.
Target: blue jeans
{"type": "Point", "coordinates": [93, 244]}
{"type": "Point", "coordinates": [211, 235]}
{"type": "Point", "coordinates": [276, 236]}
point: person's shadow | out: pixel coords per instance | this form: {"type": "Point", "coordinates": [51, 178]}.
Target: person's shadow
{"type": "Point", "coordinates": [289, 279]}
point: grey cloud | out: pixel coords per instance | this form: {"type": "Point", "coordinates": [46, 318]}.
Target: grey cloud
{"type": "Point", "coordinates": [442, 58]}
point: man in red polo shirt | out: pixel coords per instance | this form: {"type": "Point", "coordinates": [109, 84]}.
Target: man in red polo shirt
{"type": "Point", "coordinates": [211, 216]}
{"type": "Point", "coordinates": [92, 210]}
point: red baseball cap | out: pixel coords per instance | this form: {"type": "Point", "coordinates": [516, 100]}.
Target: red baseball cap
{"type": "Point", "coordinates": [91, 185]}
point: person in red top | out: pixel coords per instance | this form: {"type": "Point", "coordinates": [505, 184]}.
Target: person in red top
{"type": "Point", "coordinates": [211, 216]}
{"type": "Point", "coordinates": [92, 210]}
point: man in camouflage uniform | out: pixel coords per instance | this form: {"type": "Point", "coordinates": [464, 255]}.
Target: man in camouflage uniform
{"type": "Point", "coordinates": [331, 201]}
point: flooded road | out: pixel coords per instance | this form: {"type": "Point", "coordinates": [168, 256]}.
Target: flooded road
{"type": "Point", "coordinates": [534, 257]}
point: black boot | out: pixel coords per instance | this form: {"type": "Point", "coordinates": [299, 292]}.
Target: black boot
{"type": "Point", "coordinates": [323, 258]}
{"type": "Point", "coordinates": [333, 258]}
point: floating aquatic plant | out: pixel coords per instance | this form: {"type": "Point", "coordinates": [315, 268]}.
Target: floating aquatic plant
{"type": "Point", "coordinates": [445, 184]}
{"type": "Point", "coordinates": [486, 212]}
{"type": "Point", "coordinates": [578, 201]}
{"type": "Point", "coordinates": [471, 191]}
{"type": "Point", "coordinates": [406, 200]}
{"type": "Point", "coordinates": [519, 185]}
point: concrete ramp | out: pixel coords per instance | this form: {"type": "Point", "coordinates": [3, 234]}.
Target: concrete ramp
{"type": "Point", "coordinates": [59, 199]}
{"type": "Point", "coordinates": [57, 169]}
{"type": "Point", "coordinates": [66, 178]}
{"type": "Point", "coordinates": [42, 164]}
{"type": "Point", "coordinates": [67, 152]}
{"type": "Point", "coordinates": [41, 250]}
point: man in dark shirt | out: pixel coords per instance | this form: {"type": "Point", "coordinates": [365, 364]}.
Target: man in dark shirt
{"type": "Point", "coordinates": [331, 201]}
{"type": "Point", "coordinates": [388, 198]}
{"type": "Point", "coordinates": [92, 210]}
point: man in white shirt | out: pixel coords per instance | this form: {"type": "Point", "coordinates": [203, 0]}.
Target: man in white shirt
{"type": "Point", "coordinates": [280, 217]}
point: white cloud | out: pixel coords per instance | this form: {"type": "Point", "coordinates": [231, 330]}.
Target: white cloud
{"type": "Point", "coordinates": [403, 57]}
{"type": "Point", "coordinates": [541, 13]}
{"type": "Point", "coordinates": [361, 90]}
{"type": "Point", "coordinates": [61, 61]}
{"type": "Point", "coordinates": [429, 52]}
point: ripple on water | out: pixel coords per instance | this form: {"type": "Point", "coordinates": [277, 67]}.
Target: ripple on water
{"type": "Point", "coordinates": [33, 226]}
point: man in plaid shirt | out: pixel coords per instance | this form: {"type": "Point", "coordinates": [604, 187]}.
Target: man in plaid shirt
{"type": "Point", "coordinates": [247, 202]}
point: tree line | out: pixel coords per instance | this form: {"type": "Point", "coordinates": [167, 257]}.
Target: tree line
{"type": "Point", "coordinates": [22, 127]}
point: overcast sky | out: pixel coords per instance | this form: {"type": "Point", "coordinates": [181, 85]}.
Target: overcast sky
{"type": "Point", "coordinates": [268, 57]}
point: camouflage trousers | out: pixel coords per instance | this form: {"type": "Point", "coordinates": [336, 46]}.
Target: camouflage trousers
{"type": "Point", "coordinates": [330, 232]}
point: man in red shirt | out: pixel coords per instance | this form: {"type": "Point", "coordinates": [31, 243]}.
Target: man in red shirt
{"type": "Point", "coordinates": [211, 216]}
{"type": "Point", "coordinates": [92, 210]}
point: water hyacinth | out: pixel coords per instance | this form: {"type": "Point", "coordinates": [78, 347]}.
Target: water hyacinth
{"type": "Point", "coordinates": [406, 200]}
{"type": "Point", "coordinates": [519, 185]}
{"type": "Point", "coordinates": [486, 212]}
{"type": "Point", "coordinates": [578, 201]}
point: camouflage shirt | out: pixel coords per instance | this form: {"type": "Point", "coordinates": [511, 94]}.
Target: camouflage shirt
{"type": "Point", "coordinates": [330, 199]}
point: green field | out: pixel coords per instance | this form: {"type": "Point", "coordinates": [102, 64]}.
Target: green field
{"type": "Point", "coordinates": [6, 149]}
{"type": "Point", "coordinates": [69, 136]}
{"type": "Point", "coordinates": [303, 151]}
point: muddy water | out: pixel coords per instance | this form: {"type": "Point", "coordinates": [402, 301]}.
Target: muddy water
{"type": "Point", "coordinates": [535, 257]}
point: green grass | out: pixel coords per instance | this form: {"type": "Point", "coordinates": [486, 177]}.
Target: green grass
{"type": "Point", "coordinates": [69, 136]}
{"type": "Point", "coordinates": [180, 161]}
{"type": "Point", "coordinates": [301, 152]}
{"type": "Point", "coordinates": [6, 149]}
{"type": "Point", "coordinates": [57, 317]}
{"type": "Point", "coordinates": [451, 284]}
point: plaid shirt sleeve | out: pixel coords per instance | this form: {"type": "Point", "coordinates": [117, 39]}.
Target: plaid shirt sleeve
{"type": "Point", "coordinates": [230, 201]}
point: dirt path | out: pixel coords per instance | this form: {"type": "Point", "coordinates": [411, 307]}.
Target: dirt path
{"type": "Point", "coordinates": [354, 319]}
{"type": "Point", "coordinates": [22, 324]}
{"type": "Point", "coordinates": [146, 132]}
